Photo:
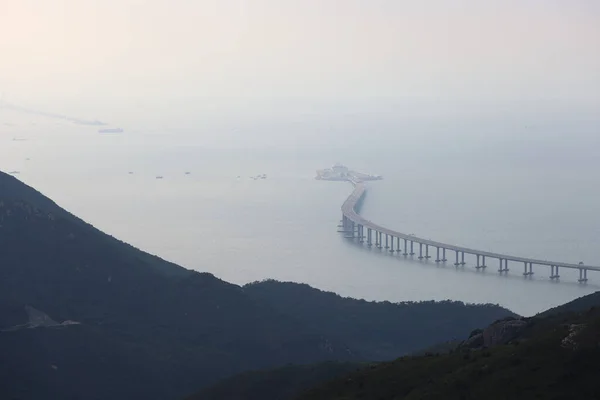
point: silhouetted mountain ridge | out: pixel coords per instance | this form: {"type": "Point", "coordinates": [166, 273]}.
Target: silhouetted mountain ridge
{"type": "Point", "coordinates": [551, 356]}
{"type": "Point", "coordinates": [146, 328]}
{"type": "Point", "coordinates": [555, 357]}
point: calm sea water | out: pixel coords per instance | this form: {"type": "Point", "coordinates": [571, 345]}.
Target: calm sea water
{"type": "Point", "coordinates": [536, 198]}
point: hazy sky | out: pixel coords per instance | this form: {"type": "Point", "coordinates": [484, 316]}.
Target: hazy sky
{"type": "Point", "coordinates": [181, 60]}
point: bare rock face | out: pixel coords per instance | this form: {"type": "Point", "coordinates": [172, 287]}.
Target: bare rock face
{"type": "Point", "coordinates": [474, 342]}
{"type": "Point", "coordinates": [570, 341]}
{"type": "Point", "coordinates": [502, 332]}
{"type": "Point", "coordinates": [38, 318]}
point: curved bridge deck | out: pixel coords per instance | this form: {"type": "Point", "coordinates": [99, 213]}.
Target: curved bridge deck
{"type": "Point", "coordinates": [353, 224]}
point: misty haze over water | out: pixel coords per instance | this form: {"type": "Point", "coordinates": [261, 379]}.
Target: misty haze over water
{"type": "Point", "coordinates": [481, 116]}
{"type": "Point", "coordinates": [533, 194]}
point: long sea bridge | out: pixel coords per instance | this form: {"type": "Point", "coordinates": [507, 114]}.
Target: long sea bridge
{"type": "Point", "coordinates": [366, 232]}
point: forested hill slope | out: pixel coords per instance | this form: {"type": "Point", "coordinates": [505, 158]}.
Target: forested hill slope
{"type": "Point", "coordinates": [177, 329]}
{"type": "Point", "coordinates": [555, 357]}
{"type": "Point", "coordinates": [83, 315]}
{"type": "Point", "coordinates": [382, 331]}
{"type": "Point", "coordinates": [18, 198]}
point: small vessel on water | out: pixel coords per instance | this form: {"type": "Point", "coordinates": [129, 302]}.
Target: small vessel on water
{"type": "Point", "coordinates": [159, 177]}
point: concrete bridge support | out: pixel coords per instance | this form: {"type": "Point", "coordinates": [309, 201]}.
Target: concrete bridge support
{"type": "Point", "coordinates": [405, 247]}
{"type": "Point", "coordinates": [427, 256]}
{"type": "Point", "coordinates": [462, 258]}
{"type": "Point", "coordinates": [387, 238]}
{"type": "Point", "coordinates": [554, 272]}
{"type": "Point", "coordinates": [528, 271]}
{"type": "Point", "coordinates": [392, 245]}
{"type": "Point", "coordinates": [503, 268]}
{"type": "Point", "coordinates": [444, 259]}
{"type": "Point", "coordinates": [398, 245]}
{"type": "Point", "coordinates": [437, 257]}
{"type": "Point", "coordinates": [420, 251]}
{"type": "Point", "coordinates": [412, 251]}
{"type": "Point", "coordinates": [456, 264]}
{"type": "Point", "coordinates": [369, 238]}
{"type": "Point", "coordinates": [482, 265]}
{"type": "Point", "coordinates": [582, 275]}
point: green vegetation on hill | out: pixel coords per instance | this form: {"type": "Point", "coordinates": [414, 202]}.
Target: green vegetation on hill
{"type": "Point", "coordinates": [277, 384]}
{"type": "Point", "coordinates": [147, 328]}
{"type": "Point", "coordinates": [578, 305]}
{"type": "Point", "coordinates": [378, 331]}
{"type": "Point", "coordinates": [552, 358]}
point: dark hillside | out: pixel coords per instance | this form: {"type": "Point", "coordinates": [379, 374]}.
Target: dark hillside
{"type": "Point", "coordinates": [192, 326]}
{"type": "Point", "coordinates": [578, 305]}
{"type": "Point", "coordinates": [552, 358]}
{"type": "Point", "coordinates": [15, 196]}
{"type": "Point", "coordinates": [277, 384]}
{"type": "Point", "coordinates": [83, 315]}
{"type": "Point", "coordinates": [381, 331]}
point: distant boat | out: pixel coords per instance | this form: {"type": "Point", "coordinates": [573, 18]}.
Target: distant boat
{"type": "Point", "coordinates": [159, 177]}
{"type": "Point", "coordinates": [110, 130]}
{"type": "Point", "coordinates": [187, 173]}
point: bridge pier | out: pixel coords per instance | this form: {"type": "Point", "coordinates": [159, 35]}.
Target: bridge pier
{"type": "Point", "coordinates": [528, 272]}
{"type": "Point", "coordinates": [353, 226]}
{"type": "Point", "coordinates": [342, 225]}
{"type": "Point", "coordinates": [350, 232]}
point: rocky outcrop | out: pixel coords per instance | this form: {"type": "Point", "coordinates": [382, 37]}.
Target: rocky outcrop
{"type": "Point", "coordinates": [39, 319]}
{"type": "Point", "coordinates": [502, 332]}
{"type": "Point", "coordinates": [569, 341]}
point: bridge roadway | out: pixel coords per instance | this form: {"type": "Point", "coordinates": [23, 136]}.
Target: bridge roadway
{"type": "Point", "coordinates": [354, 224]}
